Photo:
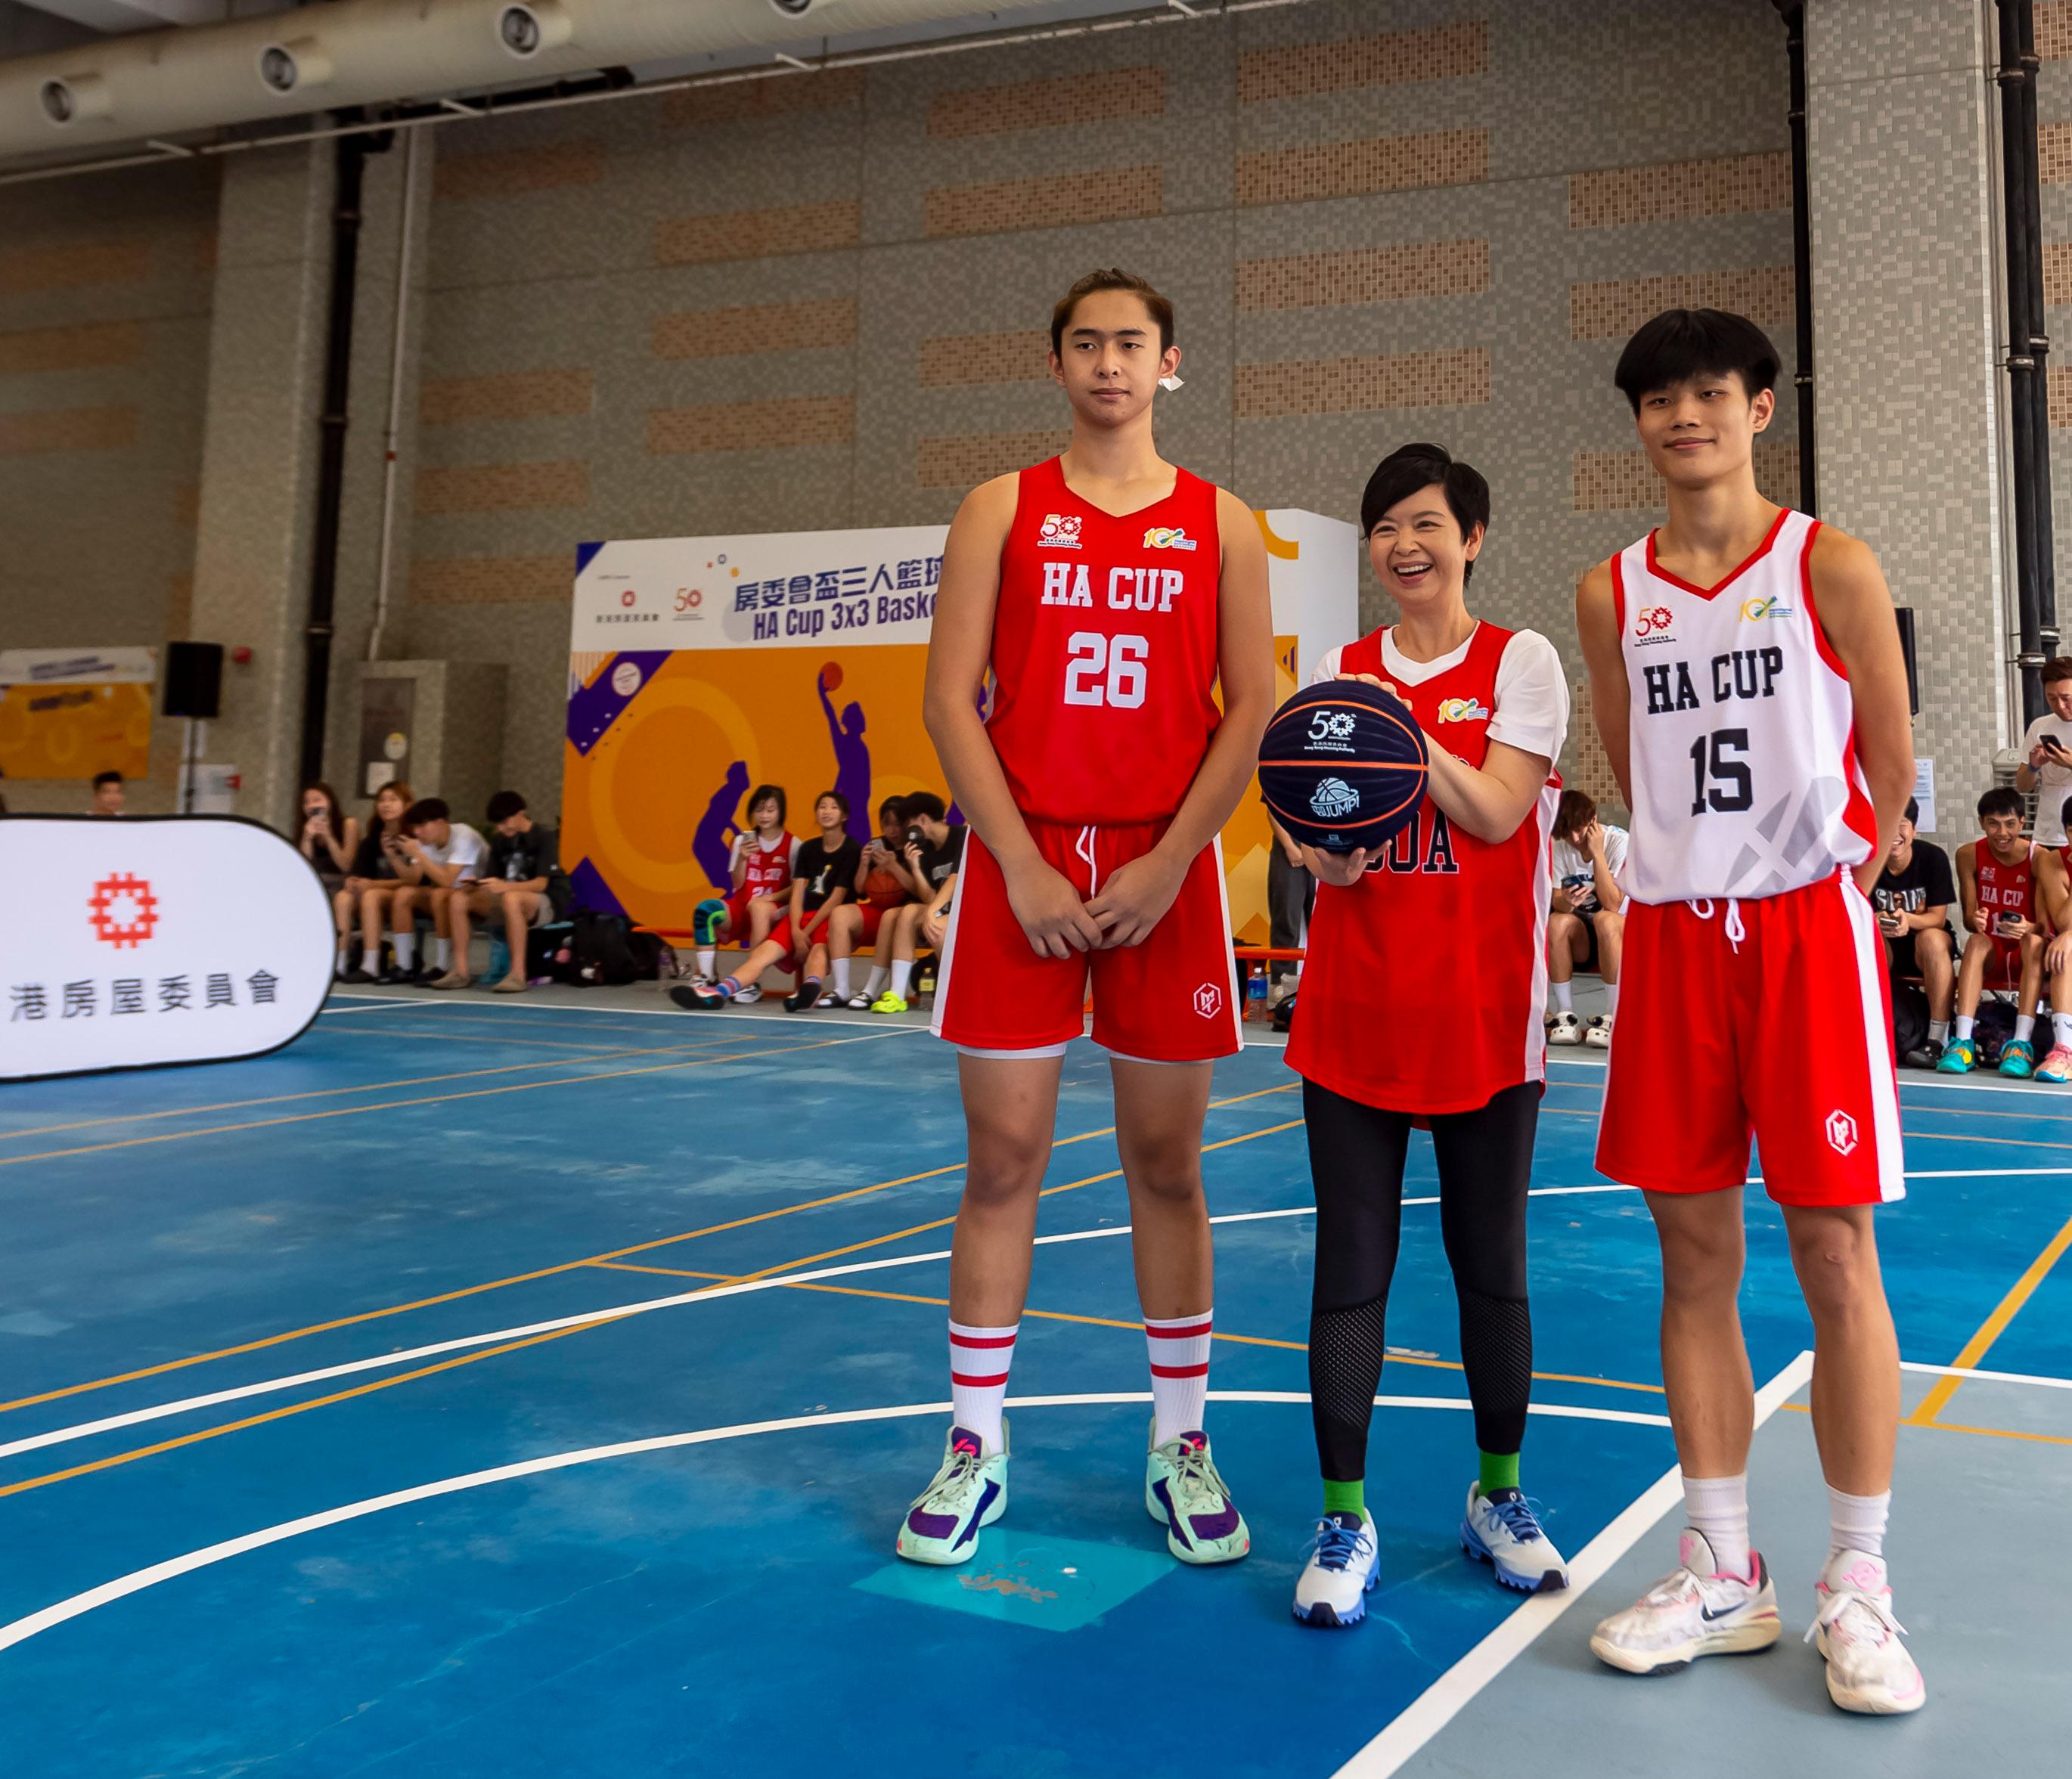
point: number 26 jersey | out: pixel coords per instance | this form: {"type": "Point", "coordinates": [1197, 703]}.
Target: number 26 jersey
{"type": "Point", "coordinates": [1104, 639]}
{"type": "Point", "coordinates": [1745, 782]}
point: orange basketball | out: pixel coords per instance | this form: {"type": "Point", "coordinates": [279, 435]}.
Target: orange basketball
{"type": "Point", "coordinates": [831, 675]}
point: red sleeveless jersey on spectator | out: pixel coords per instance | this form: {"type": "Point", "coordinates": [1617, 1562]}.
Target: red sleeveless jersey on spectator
{"type": "Point", "coordinates": [1105, 652]}
{"type": "Point", "coordinates": [1449, 930]}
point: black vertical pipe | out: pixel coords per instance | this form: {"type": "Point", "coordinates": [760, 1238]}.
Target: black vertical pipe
{"type": "Point", "coordinates": [2039, 350]}
{"type": "Point", "coordinates": [2024, 396]}
{"type": "Point", "coordinates": [1802, 253]}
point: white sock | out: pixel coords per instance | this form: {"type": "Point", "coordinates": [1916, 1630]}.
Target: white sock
{"type": "Point", "coordinates": [1611, 999]}
{"type": "Point", "coordinates": [2024, 1024]}
{"type": "Point", "coordinates": [880, 975]}
{"type": "Point", "coordinates": [406, 949]}
{"type": "Point", "coordinates": [344, 951]}
{"type": "Point", "coordinates": [1856, 1522]}
{"type": "Point", "coordinates": [1964, 1027]}
{"type": "Point", "coordinates": [442, 954]}
{"type": "Point", "coordinates": [1717, 1508]}
{"type": "Point", "coordinates": [1938, 1031]}
{"type": "Point", "coordinates": [841, 978]}
{"type": "Point", "coordinates": [903, 971]}
{"type": "Point", "coordinates": [708, 960]}
{"type": "Point", "coordinates": [1564, 997]}
{"type": "Point", "coordinates": [2060, 1029]}
{"type": "Point", "coordinates": [1179, 1353]}
{"type": "Point", "coordinates": [979, 1359]}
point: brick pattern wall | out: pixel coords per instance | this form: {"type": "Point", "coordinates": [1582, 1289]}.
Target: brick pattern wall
{"type": "Point", "coordinates": [510, 395]}
{"type": "Point", "coordinates": [1307, 70]}
{"type": "Point", "coordinates": [1676, 191]}
{"type": "Point", "coordinates": [1021, 354]}
{"type": "Point", "coordinates": [1626, 481]}
{"type": "Point", "coordinates": [784, 95]}
{"type": "Point", "coordinates": [1373, 164]}
{"type": "Point", "coordinates": [503, 488]}
{"type": "Point", "coordinates": [756, 234]}
{"type": "Point", "coordinates": [68, 430]}
{"type": "Point", "coordinates": [1074, 100]}
{"type": "Point", "coordinates": [1611, 308]}
{"type": "Point", "coordinates": [85, 348]}
{"type": "Point", "coordinates": [1455, 378]}
{"type": "Point", "coordinates": [752, 426]}
{"type": "Point", "coordinates": [1046, 202]}
{"type": "Point", "coordinates": [1365, 274]}
{"type": "Point", "coordinates": [963, 461]}
{"type": "Point", "coordinates": [491, 580]}
{"type": "Point", "coordinates": [755, 327]}
{"type": "Point", "coordinates": [513, 172]}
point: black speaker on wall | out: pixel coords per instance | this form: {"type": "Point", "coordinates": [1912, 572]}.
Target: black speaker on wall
{"type": "Point", "coordinates": [1906, 647]}
{"type": "Point", "coordinates": [194, 678]}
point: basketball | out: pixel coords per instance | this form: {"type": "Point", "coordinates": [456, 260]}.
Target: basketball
{"type": "Point", "coordinates": [1343, 766]}
{"type": "Point", "coordinates": [831, 675]}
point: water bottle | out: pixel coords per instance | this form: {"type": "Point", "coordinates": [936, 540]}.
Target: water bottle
{"type": "Point", "coordinates": [924, 986]}
{"type": "Point", "coordinates": [1254, 992]}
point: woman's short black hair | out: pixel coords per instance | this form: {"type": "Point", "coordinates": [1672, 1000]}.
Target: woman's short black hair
{"type": "Point", "coordinates": [839, 800]}
{"type": "Point", "coordinates": [762, 793]}
{"type": "Point", "coordinates": [1412, 467]}
{"type": "Point", "coordinates": [1680, 344]}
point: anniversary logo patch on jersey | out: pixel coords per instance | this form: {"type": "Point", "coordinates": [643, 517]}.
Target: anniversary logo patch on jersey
{"type": "Point", "coordinates": [1167, 537]}
{"type": "Point", "coordinates": [1652, 626]}
{"type": "Point", "coordinates": [1060, 532]}
{"type": "Point", "coordinates": [1463, 710]}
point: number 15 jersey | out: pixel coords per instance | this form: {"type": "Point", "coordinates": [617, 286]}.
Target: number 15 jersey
{"type": "Point", "coordinates": [1742, 729]}
{"type": "Point", "coordinates": [1105, 652]}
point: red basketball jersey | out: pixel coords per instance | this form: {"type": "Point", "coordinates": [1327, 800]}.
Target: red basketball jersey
{"type": "Point", "coordinates": [1105, 652]}
{"type": "Point", "coordinates": [2005, 888]}
{"type": "Point", "coordinates": [1446, 929]}
{"type": "Point", "coordinates": [769, 872]}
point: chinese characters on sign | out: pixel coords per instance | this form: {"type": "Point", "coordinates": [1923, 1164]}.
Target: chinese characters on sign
{"type": "Point", "coordinates": [126, 995]}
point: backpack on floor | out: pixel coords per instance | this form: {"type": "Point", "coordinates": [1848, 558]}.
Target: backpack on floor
{"type": "Point", "coordinates": [1993, 1030]}
{"type": "Point", "coordinates": [601, 953]}
{"type": "Point", "coordinates": [1909, 1018]}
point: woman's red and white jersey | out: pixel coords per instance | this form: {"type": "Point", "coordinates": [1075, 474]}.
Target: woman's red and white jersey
{"type": "Point", "coordinates": [1444, 935]}
{"type": "Point", "coordinates": [1105, 652]}
{"type": "Point", "coordinates": [1742, 728]}
{"type": "Point", "coordinates": [2005, 888]}
{"type": "Point", "coordinates": [769, 864]}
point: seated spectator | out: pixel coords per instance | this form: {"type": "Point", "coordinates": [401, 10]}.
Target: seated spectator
{"type": "Point", "coordinates": [762, 866]}
{"type": "Point", "coordinates": [447, 854]}
{"type": "Point", "coordinates": [329, 837]}
{"type": "Point", "coordinates": [1913, 899]}
{"type": "Point", "coordinates": [368, 893]}
{"type": "Point", "coordinates": [1996, 878]}
{"type": "Point", "coordinates": [108, 792]}
{"type": "Point", "coordinates": [933, 852]}
{"type": "Point", "coordinates": [1586, 930]}
{"type": "Point", "coordinates": [1291, 898]}
{"type": "Point", "coordinates": [2046, 747]}
{"type": "Point", "coordinates": [523, 884]}
{"type": "Point", "coordinates": [2053, 879]}
{"type": "Point", "coordinates": [823, 880]}
{"type": "Point", "coordinates": [883, 882]}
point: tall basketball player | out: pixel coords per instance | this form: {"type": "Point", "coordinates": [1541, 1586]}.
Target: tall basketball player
{"type": "Point", "coordinates": [1107, 589]}
{"type": "Point", "coordinates": [1750, 687]}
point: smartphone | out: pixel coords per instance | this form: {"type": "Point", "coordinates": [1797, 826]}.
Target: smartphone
{"type": "Point", "coordinates": [2002, 922]}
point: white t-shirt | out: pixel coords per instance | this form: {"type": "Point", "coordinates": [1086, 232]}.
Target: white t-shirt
{"type": "Point", "coordinates": [2053, 781]}
{"type": "Point", "coordinates": [463, 848]}
{"type": "Point", "coordinates": [1532, 709]}
{"type": "Point", "coordinates": [1574, 872]}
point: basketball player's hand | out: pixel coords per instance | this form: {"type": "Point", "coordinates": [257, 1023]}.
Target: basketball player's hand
{"type": "Point", "coordinates": [1978, 921]}
{"type": "Point", "coordinates": [2017, 928]}
{"type": "Point", "coordinates": [1053, 920]}
{"type": "Point", "coordinates": [1369, 679]}
{"type": "Point", "coordinates": [1135, 898]}
{"type": "Point", "coordinates": [2057, 955]}
{"type": "Point", "coordinates": [1345, 869]}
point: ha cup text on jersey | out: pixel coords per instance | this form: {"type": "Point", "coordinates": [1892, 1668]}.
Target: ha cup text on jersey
{"type": "Point", "coordinates": [1128, 589]}
{"type": "Point", "coordinates": [1739, 673]}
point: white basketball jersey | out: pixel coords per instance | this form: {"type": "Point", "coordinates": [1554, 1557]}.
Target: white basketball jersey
{"type": "Point", "coordinates": [1743, 757]}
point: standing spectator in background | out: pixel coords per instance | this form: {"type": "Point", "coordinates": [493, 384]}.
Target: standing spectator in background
{"type": "Point", "coordinates": [329, 838]}
{"type": "Point", "coordinates": [933, 852]}
{"type": "Point", "coordinates": [762, 872]}
{"type": "Point", "coordinates": [368, 893]}
{"type": "Point", "coordinates": [108, 794]}
{"type": "Point", "coordinates": [1291, 897]}
{"type": "Point", "coordinates": [447, 854]}
{"type": "Point", "coordinates": [1586, 930]}
{"type": "Point", "coordinates": [523, 882]}
{"type": "Point", "coordinates": [2053, 885]}
{"type": "Point", "coordinates": [1913, 898]}
{"type": "Point", "coordinates": [1996, 877]}
{"type": "Point", "coordinates": [883, 883]}
{"type": "Point", "coordinates": [2046, 745]}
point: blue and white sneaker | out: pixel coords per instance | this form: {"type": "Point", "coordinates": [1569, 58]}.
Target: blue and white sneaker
{"type": "Point", "coordinates": [1502, 1530]}
{"type": "Point", "coordinates": [969, 1492]}
{"type": "Point", "coordinates": [1331, 1591]}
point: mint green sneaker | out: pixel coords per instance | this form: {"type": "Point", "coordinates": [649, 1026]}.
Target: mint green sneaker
{"type": "Point", "coordinates": [969, 1491]}
{"type": "Point", "coordinates": [2018, 1058]}
{"type": "Point", "coordinates": [1184, 1493]}
{"type": "Point", "coordinates": [1959, 1057]}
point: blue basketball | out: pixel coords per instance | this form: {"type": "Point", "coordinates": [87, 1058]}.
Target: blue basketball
{"type": "Point", "coordinates": [1343, 766]}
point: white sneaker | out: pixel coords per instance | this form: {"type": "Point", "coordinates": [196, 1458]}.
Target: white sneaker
{"type": "Point", "coordinates": [750, 995]}
{"type": "Point", "coordinates": [1563, 1029]}
{"type": "Point", "coordinates": [1502, 1531]}
{"type": "Point", "coordinates": [1331, 1591]}
{"type": "Point", "coordinates": [1869, 1668]}
{"type": "Point", "coordinates": [1692, 1611]}
{"type": "Point", "coordinates": [700, 980]}
{"type": "Point", "coordinates": [1597, 1034]}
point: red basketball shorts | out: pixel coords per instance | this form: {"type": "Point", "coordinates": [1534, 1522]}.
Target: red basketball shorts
{"type": "Point", "coordinates": [873, 918]}
{"type": "Point", "coordinates": [2003, 967]}
{"type": "Point", "coordinates": [1768, 1019]}
{"type": "Point", "coordinates": [1167, 999]}
{"type": "Point", "coordinates": [737, 909]}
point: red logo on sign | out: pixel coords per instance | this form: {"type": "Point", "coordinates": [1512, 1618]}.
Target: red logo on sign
{"type": "Point", "coordinates": [626, 597]}
{"type": "Point", "coordinates": [142, 910]}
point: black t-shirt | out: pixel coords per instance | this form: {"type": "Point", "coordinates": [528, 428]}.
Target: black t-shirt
{"type": "Point", "coordinates": [1925, 883]}
{"type": "Point", "coordinates": [822, 872]}
{"type": "Point", "coordinates": [371, 860]}
{"type": "Point", "coordinates": [519, 858]}
{"type": "Point", "coordinates": [939, 862]}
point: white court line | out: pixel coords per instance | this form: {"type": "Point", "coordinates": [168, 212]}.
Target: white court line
{"type": "Point", "coordinates": [1447, 1696]}
{"type": "Point", "coordinates": [21, 1629]}
{"type": "Point", "coordinates": [1908, 1077]}
{"type": "Point", "coordinates": [1986, 1377]}
{"type": "Point", "coordinates": [388, 1002]}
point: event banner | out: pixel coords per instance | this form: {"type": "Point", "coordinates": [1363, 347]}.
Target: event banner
{"type": "Point", "coordinates": [701, 667]}
{"type": "Point", "coordinates": [69, 713]}
{"type": "Point", "coordinates": [136, 942]}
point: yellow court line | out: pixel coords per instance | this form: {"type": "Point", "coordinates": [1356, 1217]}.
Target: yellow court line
{"type": "Point", "coordinates": [200, 1434]}
{"type": "Point", "coordinates": [428, 1099]}
{"type": "Point", "coordinates": [1991, 1329]}
{"type": "Point", "coordinates": [565, 1266]}
{"type": "Point", "coordinates": [470, 1037]}
{"type": "Point", "coordinates": [329, 1093]}
{"type": "Point", "coordinates": [1951, 1426]}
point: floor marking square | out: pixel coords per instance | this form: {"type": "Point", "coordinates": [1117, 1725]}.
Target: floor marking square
{"type": "Point", "coordinates": [1053, 1584]}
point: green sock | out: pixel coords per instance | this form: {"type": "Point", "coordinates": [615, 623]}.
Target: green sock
{"type": "Point", "coordinates": [1499, 1471]}
{"type": "Point", "coordinates": [1344, 1498]}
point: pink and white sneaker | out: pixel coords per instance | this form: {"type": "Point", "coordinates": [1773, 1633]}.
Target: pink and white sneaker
{"type": "Point", "coordinates": [1869, 1668]}
{"type": "Point", "coordinates": [1692, 1611]}
{"type": "Point", "coordinates": [2056, 1067]}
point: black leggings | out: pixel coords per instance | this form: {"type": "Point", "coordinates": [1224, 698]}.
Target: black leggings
{"type": "Point", "coordinates": [1356, 1155]}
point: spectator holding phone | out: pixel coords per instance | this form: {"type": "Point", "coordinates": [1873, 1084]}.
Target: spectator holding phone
{"type": "Point", "coordinates": [367, 896]}
{"type": "Point", "coordinates": [884, 883]}
{"type": "Point", "coordinates": [446, 856]}
{"type": "Point", "coordinates": [523, 885]}
{"type": "Point", "coordinates": [1586, 924]}
{"type": "Point", "coordinates": [933, 852]}
{"type": "Point", "coordinates": [2003, 914]}
{"type": "Point", "coordinates": [329, 837]}
{"type": "Point", "coordinates": [2046, 745]}
{"type": "Point", "coordinates": [1913, 899]}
